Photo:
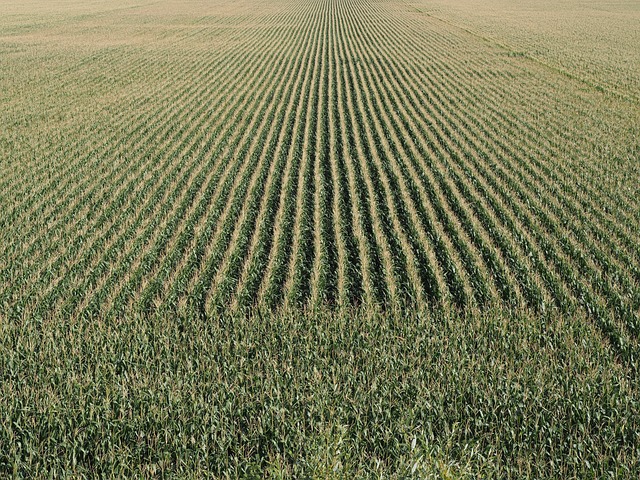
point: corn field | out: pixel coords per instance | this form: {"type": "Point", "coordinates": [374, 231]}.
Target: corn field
{"type": "Point", "coordinates": [314, 238]}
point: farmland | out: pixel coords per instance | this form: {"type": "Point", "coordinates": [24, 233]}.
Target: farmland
{"type": "Point", "coordinates": [315, 238]}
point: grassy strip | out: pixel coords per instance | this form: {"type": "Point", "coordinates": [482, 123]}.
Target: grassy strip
{"type": "Point", "coordinates": [316, 393]}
